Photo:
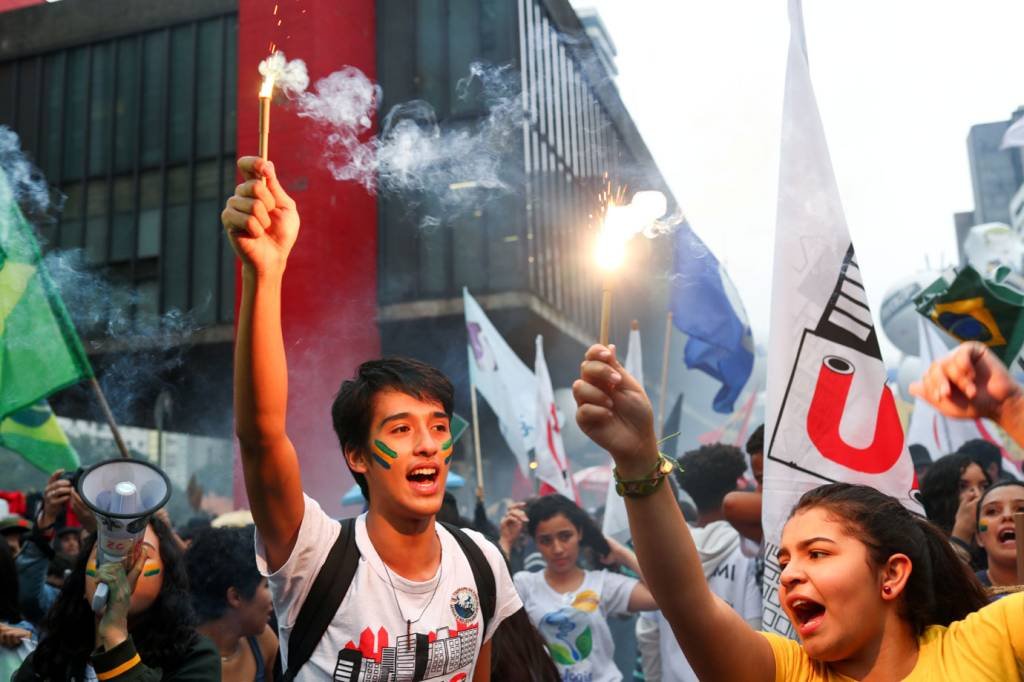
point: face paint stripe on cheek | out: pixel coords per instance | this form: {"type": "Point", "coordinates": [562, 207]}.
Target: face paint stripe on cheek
{"type": "Point", "coordinates": [384, 450]}
{"type": "Point", "coordinates": [150, 568]}
{"type": "Point", "coordinates": [982, 526]}
{"type": "Point", "coordinates": [90, 568]}
{"type": "Point", "coordinates": [381, 461]}
{"type": "Point", "coordinates": [446, 447]}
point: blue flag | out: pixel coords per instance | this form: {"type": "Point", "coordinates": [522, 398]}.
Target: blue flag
{"type": "Point", "coordinates": [720, 343]}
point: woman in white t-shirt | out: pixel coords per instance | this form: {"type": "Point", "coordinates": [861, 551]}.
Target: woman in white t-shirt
{"type": "Point", "coordinates": [569, 605]}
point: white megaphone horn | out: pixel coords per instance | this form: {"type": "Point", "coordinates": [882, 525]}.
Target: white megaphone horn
{"type": "Point", "coordinates": [123, 494]}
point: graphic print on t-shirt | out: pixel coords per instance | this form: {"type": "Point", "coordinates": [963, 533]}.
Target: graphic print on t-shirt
{"type": "Point", "coordinates": [567, 630]}
{"type": "Point", "coordinates": [412, 658]}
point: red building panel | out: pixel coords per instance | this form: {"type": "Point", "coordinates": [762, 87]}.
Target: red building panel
{"type": "Point", "coordinates": [330, 289]}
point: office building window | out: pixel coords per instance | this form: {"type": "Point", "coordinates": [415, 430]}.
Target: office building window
{"type": "Point", "coordinates": [138, 132]}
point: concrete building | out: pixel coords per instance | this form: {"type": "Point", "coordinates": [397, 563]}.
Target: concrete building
{"type": "Point", "coordinates": [136, 110]}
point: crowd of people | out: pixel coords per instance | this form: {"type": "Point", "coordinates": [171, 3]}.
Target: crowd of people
{"type": "Point", "coordinates": [411, 590]}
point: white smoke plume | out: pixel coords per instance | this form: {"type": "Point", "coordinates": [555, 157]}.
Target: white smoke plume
{"type": "Point", "coordinates": [28, 184]}
{"type": "Point", "coordinates": [413, 153]}
{"type": "Point", "coordinates": [290, 77]}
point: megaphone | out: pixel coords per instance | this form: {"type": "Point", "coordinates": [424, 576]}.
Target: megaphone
{"type": "Point", "coordinates": [123, 494]}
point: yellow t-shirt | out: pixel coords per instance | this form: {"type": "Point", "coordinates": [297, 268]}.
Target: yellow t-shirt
{"type": "Point", "coordinates": [986, 645]}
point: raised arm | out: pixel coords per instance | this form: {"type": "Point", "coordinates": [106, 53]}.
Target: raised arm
{"type": "Point", "coordinates": [616, 414]}
{"type": "Point", "coordinates": [262, 223]}
{"type": "Point", "coordinates": [970, 383]}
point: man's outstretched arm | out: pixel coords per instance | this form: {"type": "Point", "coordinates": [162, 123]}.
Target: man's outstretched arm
{"type": "Point", "coordinates": [262, 223]}
{"type": "Point", "coordinates": [972, 383]}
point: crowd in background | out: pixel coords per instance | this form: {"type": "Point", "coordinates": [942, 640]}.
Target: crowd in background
{"type": "Point", "coordinates": [213, 607]}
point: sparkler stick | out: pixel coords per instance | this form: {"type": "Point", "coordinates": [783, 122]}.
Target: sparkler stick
{"type": "Point", "coordinates": [606, 309]}
{"type": "Point", "coordinates": [266, 92]}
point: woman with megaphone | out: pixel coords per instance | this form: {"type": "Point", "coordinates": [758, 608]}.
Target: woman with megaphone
{"type": "Point", "coordinates": [144, 632]}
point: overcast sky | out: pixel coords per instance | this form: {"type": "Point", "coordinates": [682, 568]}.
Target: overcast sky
{"type": "Point", "coordinates": [899, 83]}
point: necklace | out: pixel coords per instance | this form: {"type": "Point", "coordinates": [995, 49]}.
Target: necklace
{"type": "Point", "coordinates": [238, 648]}
{"type": "Point", "coordinates": [394, 593]}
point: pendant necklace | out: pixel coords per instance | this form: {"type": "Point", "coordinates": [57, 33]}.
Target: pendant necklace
{"type": "Point", "coordinates": [394, 592]}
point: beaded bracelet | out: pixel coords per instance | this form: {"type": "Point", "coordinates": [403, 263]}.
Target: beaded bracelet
{"type": "Point", "coordinates": [642, 487]}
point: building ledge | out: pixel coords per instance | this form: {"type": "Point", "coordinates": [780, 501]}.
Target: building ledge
{"type": "Point", "coordinates": [444, 307]}
{"type": "Point", "coordinates": [221, 333]}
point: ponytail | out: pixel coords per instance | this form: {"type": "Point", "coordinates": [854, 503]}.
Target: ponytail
{"type": "Point", "coordinates": [941, 589]}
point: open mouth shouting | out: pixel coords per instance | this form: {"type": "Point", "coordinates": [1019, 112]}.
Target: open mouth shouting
{"type": "Point", "coordinates": [1007, 537]}
{"type": "Point", "coordinates": [808, 615]}
{"type": "Point", "coordinates": [424, 478]}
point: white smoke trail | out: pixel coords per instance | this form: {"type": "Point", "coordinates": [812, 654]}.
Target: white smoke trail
{"type": "Point", "coordinates": [413, 153]}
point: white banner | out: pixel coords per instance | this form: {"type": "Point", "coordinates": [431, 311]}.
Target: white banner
{"type": "Point", "coordinates": [829, 416]}
{"type": "Point", "coordinates": [504, 381]}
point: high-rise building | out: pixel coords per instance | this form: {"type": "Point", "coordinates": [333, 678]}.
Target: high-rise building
{"type": "Point", "coordinates": [136, 109]}
{"type": "Point", "coordinates": [995, 174]}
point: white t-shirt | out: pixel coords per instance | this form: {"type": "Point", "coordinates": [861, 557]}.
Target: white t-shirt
{"type": "Point", "coordinates": [574, 625]}
{"type": "Point", "coordinates": [735, 581]}
{"type": "Point", "coordinates": [366, 641]}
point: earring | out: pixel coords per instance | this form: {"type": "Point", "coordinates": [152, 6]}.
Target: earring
{"type": "Point", "coordinates": [887, 589]}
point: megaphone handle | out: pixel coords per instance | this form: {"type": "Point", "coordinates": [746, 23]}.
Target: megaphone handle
{"type": "Point", "coordinates": [99, 598]}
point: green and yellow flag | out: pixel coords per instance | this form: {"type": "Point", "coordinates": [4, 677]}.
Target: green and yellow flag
{"type": "Point", "coordinates": [33, 432]}
{"type": "Point", "coordinates": [40, 352]}
{"type": "Point", "coordinates": [970, 307]}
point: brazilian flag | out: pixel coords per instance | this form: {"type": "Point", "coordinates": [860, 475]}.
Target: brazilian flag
{"type": "Point", "coordinates": [40, 352]}
{"type": "Point", "coordinates": [33, 433]}
{"type": "Point", "coordinates": [970, 307]}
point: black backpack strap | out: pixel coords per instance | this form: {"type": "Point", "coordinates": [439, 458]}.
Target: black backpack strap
{"type": "Point", "coordinates": [483, 574]}
{"type": "Point", "coordinates": [324, 599]}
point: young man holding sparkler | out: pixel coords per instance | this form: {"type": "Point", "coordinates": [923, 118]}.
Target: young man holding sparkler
{"type": "Point", "coordinates": [420, 605]}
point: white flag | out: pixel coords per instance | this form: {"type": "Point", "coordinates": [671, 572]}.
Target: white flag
{"type": "Point", "coordinates": [504, 381]}
{"type": "Point", "coordinates": [830, 416]}
{"type": "Point", "coordinates": [552, 464]}
{"type": "Point", "coordinates": [1014, 135]}
{"type": "Point", "coordinates": [616, 523]}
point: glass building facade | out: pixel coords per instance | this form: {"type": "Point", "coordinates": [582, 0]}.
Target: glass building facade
{"type": "Point", "coordinates": [531, 237]}
{"type": "Point", "coordinates": [138, 133]}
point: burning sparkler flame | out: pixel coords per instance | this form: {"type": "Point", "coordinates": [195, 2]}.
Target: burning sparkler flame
{"type": "Point", "coordinates": [624, 221]}
{"type": "Point", "coordinates": [267, 89]}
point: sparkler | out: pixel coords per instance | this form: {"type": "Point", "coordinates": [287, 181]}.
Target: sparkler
{"type": "Point", "coordinates": [621, 223]}
{"type": "Point", "coordinates": [266, 93]}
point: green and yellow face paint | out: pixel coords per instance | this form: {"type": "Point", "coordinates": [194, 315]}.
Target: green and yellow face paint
{"type": "Point", "coordinates": [982, 526]}
{"type": "Point", "coordinates": [150, 568]}
{"type": "Point", "coordinates": [448, 449]}
{"type": "Point", "coordinates": [382, 453]}
{"type": "Point", "coordinates": [90, 568]}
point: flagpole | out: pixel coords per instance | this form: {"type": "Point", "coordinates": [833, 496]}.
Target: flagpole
{"type": "Point", "coordinates": [476, 439]}
{"type": "Point", "coordinates": [110, 418]}
{"type": "Point", "coordinates": [663, 390]}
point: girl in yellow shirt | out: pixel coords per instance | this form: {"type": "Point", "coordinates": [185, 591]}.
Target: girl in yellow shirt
{"type": "Point", "coordinates": [874, 592]}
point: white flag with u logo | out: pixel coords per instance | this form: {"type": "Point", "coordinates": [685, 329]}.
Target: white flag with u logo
{"type": "Point", "coordinates": [829, 416]}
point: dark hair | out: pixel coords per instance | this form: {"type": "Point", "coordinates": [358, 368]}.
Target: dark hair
{"type": "Point", "coordinates": [994, 486]}
{"type": "Point", "coordinates": [755, 444]}
{"type": "Point", "coordinates": [220, 558]}
{"type": "Point", "coordinates": [59, 565]}
{"type": "Point", "coordinates": [709, 473]}
{"type": "Point", "coordinates": [941, 589]}
{"type": "Point", "coordinates": [353, 405]}
{"type": "Point", "coordinates": [9, 611]}
{"type": "Point", "coordinates": [519, 652]}
{"type": "Point", "coordinates": [163, 634]}
{"type": "Point", "coordinates": [940, 488]}
{"type": "Point", "coordinates": [543, 508]}
{"type": "Point", "coordinates": [983, 452]}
